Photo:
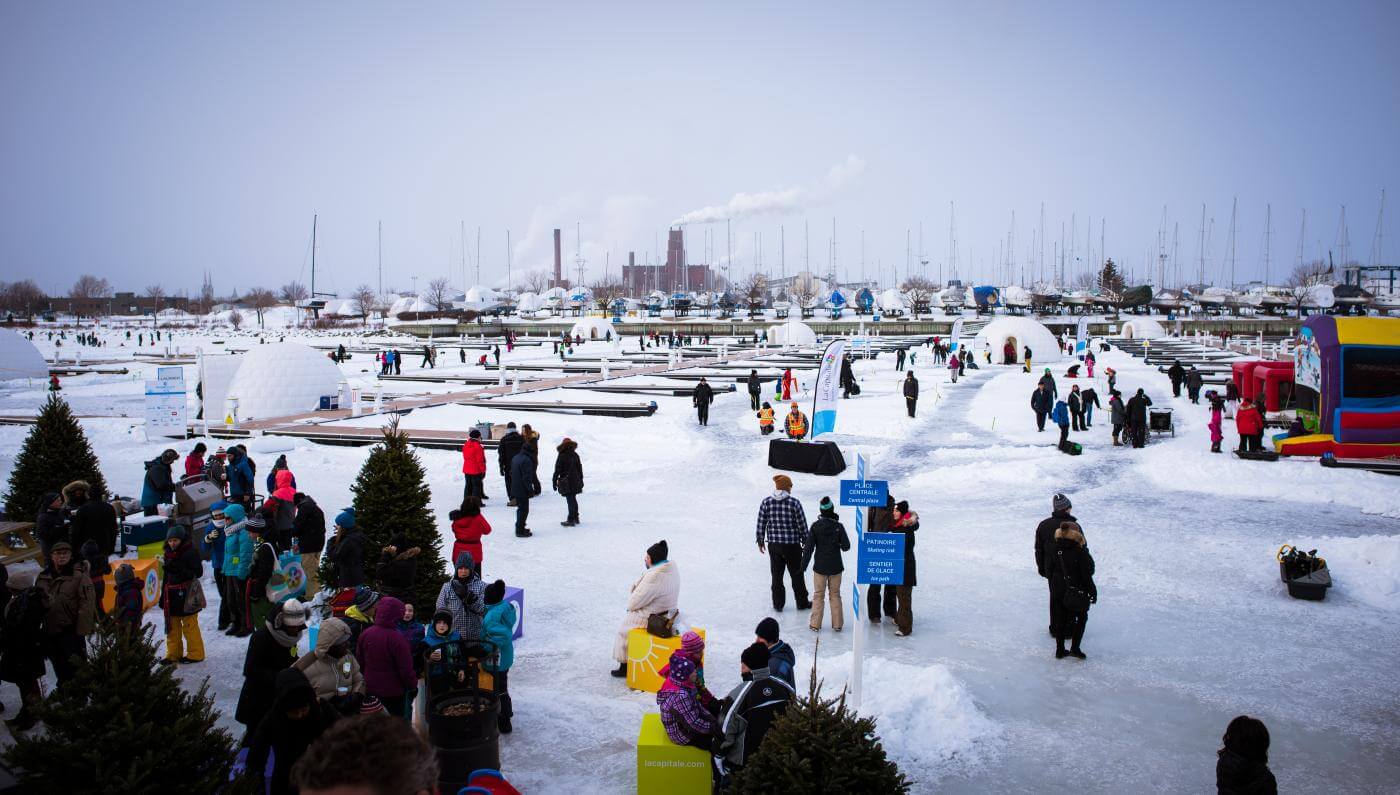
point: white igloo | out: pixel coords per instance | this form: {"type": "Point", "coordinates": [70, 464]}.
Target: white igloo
{"type": "Point", "coordinates": [281, 379]}
{"type": "Point", "coordinates": [793, 332]}
{"type": "Point", "coordinates": [592, 328]}
{"type": "Point", "coordinates": [1022, 333]}
{"type": "Point", "coordinates": [19, 358]}
{"type": "Point", "coordinates": [1141, 328]}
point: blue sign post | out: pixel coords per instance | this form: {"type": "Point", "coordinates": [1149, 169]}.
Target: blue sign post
{"type": "Point", "coordinates": [880, 559]}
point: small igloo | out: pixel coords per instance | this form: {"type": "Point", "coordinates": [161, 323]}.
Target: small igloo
{"type": "Point", "coordinates": [1022, 333]}
{"type": "Point", "coordinates": [281, 379]}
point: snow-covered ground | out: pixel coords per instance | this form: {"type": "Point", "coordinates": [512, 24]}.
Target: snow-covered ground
{"type": "Point", "coordinates": [1192, 626]}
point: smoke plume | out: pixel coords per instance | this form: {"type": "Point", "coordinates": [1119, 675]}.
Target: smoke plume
{"type": "Point", "coordinates": [784, 200]}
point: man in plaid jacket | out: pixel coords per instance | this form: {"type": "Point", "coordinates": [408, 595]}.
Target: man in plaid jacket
{"type": "Point", "coordinates": [782, 532]}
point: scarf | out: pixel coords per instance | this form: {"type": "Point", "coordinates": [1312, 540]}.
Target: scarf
{"type": "Point", "coordinates": [283, 638]}
{"type": "Point", "coordinates": [459, 587]}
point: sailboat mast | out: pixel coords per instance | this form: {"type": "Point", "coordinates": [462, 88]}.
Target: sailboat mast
{"type": "Point", "coordinates": [1234, 206]}
{"type": "Point", "coordinates": [1201, 249]}
{"type": "Point", "coordinates": [1377, 255]}
{"type": "Point", "coordinates": [313, 256]}
{"type": "Point", "coordinates": [1268, 221]}
{"type": "Point", "coordinates": [478, 255]}
{"type": "Point", "coordinates": [381, 258]}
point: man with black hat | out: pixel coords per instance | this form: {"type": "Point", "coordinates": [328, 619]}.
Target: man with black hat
{"type": "Point", "coordinates": [781, 659]}
{"type": "Point", "coordinates": [506, 449]}
{"type": "Point", "coordinates": [1045, 545]}
{"type": "Point", "coordinates": [72, 611]}
{"type": "Point", "coordinates": [757, 701]}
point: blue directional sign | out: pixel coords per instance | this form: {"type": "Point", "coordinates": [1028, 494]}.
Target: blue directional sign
{"type": "Point", "coordinates": [880, 559]}
{"type": "Point", "coordinates": [863, 493]}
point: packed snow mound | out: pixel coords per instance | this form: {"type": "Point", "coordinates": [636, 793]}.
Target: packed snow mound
{"type": "Point", "coordinates": [285, 378]}
{"type": "Point", "coordinates": [891, 301]}
{"type": "Point", "coordinates": [1022, 332]}
{"type": "Point", "coordinates": [19, 358]}
{"type": "Point", "coordinates": [922, 713]}
{"type": "Point", "coordinates": [592, 328]}
{"type": "Point", "coordinates": [1321, 296]}
{"type": "Point", "coordinates": [1142, 328]}
{"type": "Point", "coordinates": [793, 332]}
{"type": "Point", "coordinates": [528, 302]}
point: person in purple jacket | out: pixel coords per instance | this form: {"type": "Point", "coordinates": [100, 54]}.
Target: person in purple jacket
{"type": "Point", "coordinates": [686, 721]}
{"type": "Point", "coordinates": [386, 659]}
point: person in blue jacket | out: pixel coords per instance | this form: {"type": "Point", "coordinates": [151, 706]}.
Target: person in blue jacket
{"type": "Point", "coordinates": [238, 560]}
{"type": "Point", "coordinates": [240, 477]}
{"type": "Point", "coordinates": [498, 625]}
{"type": "Point", "coordinates": [1061, 417]}
{"type": "Point", "coordinates": [213, 549]}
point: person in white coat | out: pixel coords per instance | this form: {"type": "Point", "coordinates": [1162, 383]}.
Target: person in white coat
{"type": "Point", "coordinates": [658, 590]}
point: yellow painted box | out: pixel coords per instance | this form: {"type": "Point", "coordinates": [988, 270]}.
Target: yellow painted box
{"type": "Point", "coordinates": [148, 573]}
{"type": "Point", "coordinates": [666, 768]}
{"type": "Point", "coordinates": [647, 655]}
{"type": "Point", "coordinates": [155, 549]}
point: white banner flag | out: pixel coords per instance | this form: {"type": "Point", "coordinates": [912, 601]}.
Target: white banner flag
{"type": "Point", "coordinates": [956, 334]}
{"type": "Point", "coordinates": [1081, 337]}
{"type": "Point", "coordinates": [825, 397]}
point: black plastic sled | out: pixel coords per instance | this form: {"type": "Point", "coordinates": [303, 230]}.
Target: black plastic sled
{"type": "Point", "coordinates": [1305, 574]}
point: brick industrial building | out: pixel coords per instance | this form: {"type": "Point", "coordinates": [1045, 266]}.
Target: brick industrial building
{"type": "Point", "coordinates": [676, 274]}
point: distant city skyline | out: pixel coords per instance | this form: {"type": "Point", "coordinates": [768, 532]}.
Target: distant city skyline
{"type": "Point", "coordinates": [148, 143]}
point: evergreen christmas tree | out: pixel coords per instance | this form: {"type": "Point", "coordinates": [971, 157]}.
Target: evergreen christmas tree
{"type": "Point", "coordinates": [55, 453]}
{"type": "Point", "coordinates": [819, 745]}
{"type": "Point", "coordinates": [391, 498]}
{"type": "Point", "coordinates": [124, 724]}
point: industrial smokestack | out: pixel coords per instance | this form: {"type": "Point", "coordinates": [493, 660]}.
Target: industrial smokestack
{"type": "Point", "coordinates": [558, 262]}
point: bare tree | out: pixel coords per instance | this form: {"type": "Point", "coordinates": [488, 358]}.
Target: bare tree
{"type": "Point", "coordinates": [157, 295]}
{"type": "Point", "coordinates": [805, 290]}
{"type": "Point", "coordinates": [439, 294]}
{"type": "Point", "coordinates": [755, 290]}
{"type": "Point", "coordinates": [365, 301]}
{"type": "Point", "coordinates": [88, 287]}
{"type": "Point", "coordinates": [606, 290]}
{"type": "Point", "coordinates": [294, 293]}
{"type": "Point", "coordinates": [235, 319]}
{"type": "Point", "coordinates": [205, 303]}
{"type": "Point", "coordinates": [260, 299]}
{"type": "Point", "coordinates": [920, 291]}
{"type": "Point", "coordinates": [1300, 283]}
{"type": "Point", "coordinates": [534, 281]}
{"type": "Point", "coordinates": [22, 297]}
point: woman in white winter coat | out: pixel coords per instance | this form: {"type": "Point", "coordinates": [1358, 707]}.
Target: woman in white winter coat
{"type": "Point", "coordinates": [658, 590]}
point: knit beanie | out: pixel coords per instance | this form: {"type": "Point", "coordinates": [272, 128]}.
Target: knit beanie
{"type": "Point", "coordinates": [464, 561]}
{"type": "Point", "coordinates": [1060, 503]}
{"type": "Point", "coordinates": [826, 506]}
{"type": "Point", "coordinates": [346, 519]}
{"type": "Point", "coordinates": [442, 615]}
{"type": "Point", "coordinates": [658, 552]}
{"type": "Point", "coordinates": [256, 523]}
{"type": "Point", "coordinates": [692, 645]}
{"type": "Point", "coordinates": [783, 482]}
{"type": "Point", "coordinates": [124, 573]}
{"type": "Point", "coordinates": [365, 598]}
{"type": "Point", "coordinates": [176, 531]}
{"type": "Point", "coordinates": [755, 656]}
{"type": "Point", "coordinates": [767, 629]}
{"type": "Point", "coordinates": [293, 614]}
{"type": "Point", "coordinates": [681, 668]}
{"type": "Point", "coordinates": [495, 592]}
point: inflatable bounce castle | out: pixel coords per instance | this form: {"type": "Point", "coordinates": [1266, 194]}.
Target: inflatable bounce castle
{"type": "Point", "coordinates": [1346, 374]}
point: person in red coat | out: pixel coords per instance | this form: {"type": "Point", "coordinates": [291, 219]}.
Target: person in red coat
{"type": "Point", "coordinates": [468, 526]}
{"type": "Point", "coordinates": [1250, 425]}
{"type": "Point", "coordinates": [194, 462]}
{"type": "Point", "coordinates": [474, 466]}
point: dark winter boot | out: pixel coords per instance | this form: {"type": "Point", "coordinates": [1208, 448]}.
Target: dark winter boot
{"type": "Point", "coordinates": [1060, 652]}
{"type": "Point", "coordinates": [1215, 447]}
{"type": "Point", "coordinates": [503, 724]}
{"type": "Point", "coordinates": [1075, 652]}
{"type": "Point", "coordinates": [620, 671]}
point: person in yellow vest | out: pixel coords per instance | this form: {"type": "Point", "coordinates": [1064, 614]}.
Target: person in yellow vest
{"type": "Point", "coordinates": [796, 423]}
{"type": "Point", "coordinates": [765, 418]}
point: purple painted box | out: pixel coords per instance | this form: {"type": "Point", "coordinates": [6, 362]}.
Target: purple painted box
{"type": "Point", "coordinates": [516, 596]}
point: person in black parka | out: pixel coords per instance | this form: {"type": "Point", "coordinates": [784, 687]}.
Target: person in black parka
{"type": "Point", "coordinates": [755, 387]}
{"type": "Point", "coordinates": [293, 722]}
{"type": "Point", "coordinates": [1177, 374]}
{"type": "Point", "coordinates": [397, 570]}
{"type": "Point", "coordinates": [1071, 568]}
{"type": "Point", "coordinates": [1045, 544]}
{"type": "Point", "coordinates": [1041, 403]}
{"type": "Point", "coordinates": [911, 392]}
{"type": "Point", "coordinates": [50, 522]}
{"type": "Point", "coordinates": [877, 599]}
{"type": "Point", "coordinates": [701, 398]}
{"type": "Point", "coordinates": [1242, 767]}
{"type": "Point", "coordinates": [271, 649]}
{"type": "Point", "coordinates": [568, 478]}
{"type": "Point", "coordinates": [1137, 417]}
{"type": "Point", "coordinates": [825, 543]}
{"type": "Point", "coordinates": [21, 645]}
{"type": "Point", "coordinates": [347, 550]}
{"type": "Point", "coordinates": [525, 485]}
{"type": "Point", "coordinates": [309, 530]}
{"type": "Point", "coordinates": [506, 450]}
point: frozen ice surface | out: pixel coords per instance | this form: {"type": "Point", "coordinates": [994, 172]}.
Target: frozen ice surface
{"type": "Point", "coordinates": [1192, 627]}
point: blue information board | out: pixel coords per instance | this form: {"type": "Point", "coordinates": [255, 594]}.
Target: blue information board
{"type": "Point", "coordinates": [865, 493]}
{"type": "Point", "coordinates": [880, 559]}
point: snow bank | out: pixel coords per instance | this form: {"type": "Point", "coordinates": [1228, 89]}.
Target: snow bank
{"type": "Point", "coordinates": [1023, 332]}
{"type": "Point", "coordinates": [923, 713]}
{"type": "Point", "coordinates": [1366, 569]}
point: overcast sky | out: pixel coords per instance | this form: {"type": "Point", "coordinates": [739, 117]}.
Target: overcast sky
{"type": "Point", "coordinates": [149, 142]}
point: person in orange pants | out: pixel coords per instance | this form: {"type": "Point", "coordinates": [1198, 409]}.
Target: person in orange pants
{"type": "Point", "coordinates": [181, 599]}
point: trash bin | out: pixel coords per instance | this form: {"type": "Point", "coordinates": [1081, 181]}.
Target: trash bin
{"type": "Point", "coordinates": [462, 728]}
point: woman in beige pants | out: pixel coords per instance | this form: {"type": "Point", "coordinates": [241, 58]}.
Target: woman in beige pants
{"type": "Point", "coordinates": [825, 544]}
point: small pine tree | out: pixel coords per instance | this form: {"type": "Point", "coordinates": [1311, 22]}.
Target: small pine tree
{"type": "Point", "coordinates": [391, 498]}
{"type": "Point", "coordinates": [124, 724]}
{"type": "Point", "coordinates": [55, 453]}
{"type": "Point", "coordinates": [820, 745]}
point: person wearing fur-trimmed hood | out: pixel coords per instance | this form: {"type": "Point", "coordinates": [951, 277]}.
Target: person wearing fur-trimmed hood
{"type": "Point", "coordinates": [1072, 588]}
